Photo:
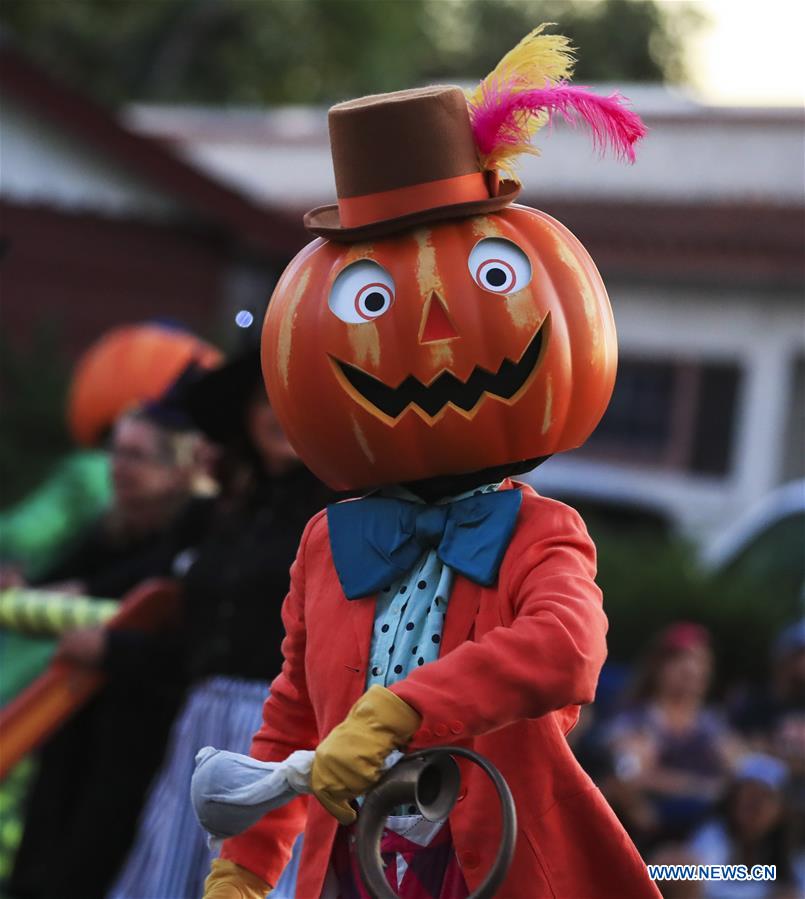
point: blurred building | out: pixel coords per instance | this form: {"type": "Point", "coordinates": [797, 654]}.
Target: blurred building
{"type": "Point", "coordinates": [701, 246]}
{"type": "Point", "coordinates": [100, 225]}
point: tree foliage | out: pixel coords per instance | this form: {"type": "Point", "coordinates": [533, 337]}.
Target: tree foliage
{"type": "Point", "coordinates": [318, 51]}
{"type": "Point", "coordinates": [650, 582]}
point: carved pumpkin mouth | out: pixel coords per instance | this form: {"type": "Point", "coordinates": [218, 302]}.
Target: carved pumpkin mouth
{"type": "Point", "coordinates": [446, 389]}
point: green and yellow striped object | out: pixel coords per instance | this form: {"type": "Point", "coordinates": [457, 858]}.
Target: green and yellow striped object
{"type": "Point", "coordinates": [46, 613]}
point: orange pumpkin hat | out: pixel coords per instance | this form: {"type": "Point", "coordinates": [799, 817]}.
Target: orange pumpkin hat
{"type": "Point", "coordinates": [438, 328]}
{"type": "Point", "coordinates": [126, 367]}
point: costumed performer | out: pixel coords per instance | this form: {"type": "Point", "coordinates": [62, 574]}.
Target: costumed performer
{"type": "Point", "coordinates": [433, 341]}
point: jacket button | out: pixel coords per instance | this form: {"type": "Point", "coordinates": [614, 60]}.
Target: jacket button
{"type": "Point", "coordinates": [456, 727]}
{"type": "Point", "coordinates": [471, 859]}
{"type": "Point", "coordinates": [461, 794]}
{"type": "Point", "coordinates": [424, 733]}
{"type": "Point", "coordinates": [440, 730]}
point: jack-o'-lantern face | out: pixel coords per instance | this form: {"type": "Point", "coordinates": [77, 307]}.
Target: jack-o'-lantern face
{"type": "Point", "coordinates": [447, 349]}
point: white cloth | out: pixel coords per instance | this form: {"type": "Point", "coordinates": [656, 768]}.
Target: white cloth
{"type": "Point", "coordinates": [231, 792]}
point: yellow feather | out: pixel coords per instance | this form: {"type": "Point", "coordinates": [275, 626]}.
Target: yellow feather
{"type": "Point", "coordinates": [504, 159]}
{"type": "Point", "coordinates": [538, 59]}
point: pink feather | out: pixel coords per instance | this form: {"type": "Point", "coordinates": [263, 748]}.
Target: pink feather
{"type": "Point", "coordinates": [502, 116]}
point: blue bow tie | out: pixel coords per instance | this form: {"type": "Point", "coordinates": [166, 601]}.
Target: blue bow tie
{"type": "Point", "coordinates": [377, 540]}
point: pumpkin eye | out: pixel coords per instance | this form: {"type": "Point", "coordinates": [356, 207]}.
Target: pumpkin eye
{"type": "Point", "coordinates": [361, 292]}
{"type": "Point", "coordinates": [499, 265]}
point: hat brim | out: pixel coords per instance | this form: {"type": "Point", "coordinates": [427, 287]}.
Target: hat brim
{"type": "Point", "coordinates": [324, 221]}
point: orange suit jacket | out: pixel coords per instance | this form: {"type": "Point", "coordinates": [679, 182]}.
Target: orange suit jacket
{"type": "Point", "coordinates": [517, 660]}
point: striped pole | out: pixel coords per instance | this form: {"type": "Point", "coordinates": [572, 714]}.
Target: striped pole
{"type": "Point", "coordinates": [46, 613]}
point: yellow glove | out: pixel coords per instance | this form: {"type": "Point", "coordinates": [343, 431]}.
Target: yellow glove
{"type": "Point", "coordinates": [350, 758]}
{"type": "Point", "coordinates": [227, 880]}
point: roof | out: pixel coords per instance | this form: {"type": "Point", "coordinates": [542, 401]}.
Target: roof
{"type": "Point", "coordinates": [694, 152]}
{"type": "Point", "coordinates": [259, 224]}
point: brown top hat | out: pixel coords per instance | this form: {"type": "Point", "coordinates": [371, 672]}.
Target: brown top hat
{"type": "Point", "coordinates": [401, 159]}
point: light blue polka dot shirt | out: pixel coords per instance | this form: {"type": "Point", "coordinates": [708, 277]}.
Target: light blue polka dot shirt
{"type": "Point", "coordinates": [409, 616]}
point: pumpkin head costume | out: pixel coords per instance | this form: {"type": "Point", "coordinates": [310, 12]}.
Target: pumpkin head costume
{"type": "Point", "coordinates": [434, 339]}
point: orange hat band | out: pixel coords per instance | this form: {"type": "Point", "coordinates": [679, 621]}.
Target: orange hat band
{"type": "Point", "coordinates": [355, 212]}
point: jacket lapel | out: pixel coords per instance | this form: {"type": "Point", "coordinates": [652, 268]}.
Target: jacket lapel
{"type": "Point", "coordinates": [465, 600]}
{"type": "Point", "coordinates": [462, 610]}
{"type": "Point", "coordinates": [361, 613]}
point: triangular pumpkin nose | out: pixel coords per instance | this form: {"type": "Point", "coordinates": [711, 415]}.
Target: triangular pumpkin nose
{"type": "Point", "coordinates": [436, 321]}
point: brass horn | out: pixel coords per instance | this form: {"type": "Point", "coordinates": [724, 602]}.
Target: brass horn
{"type": "Point", "coordinates": [428, 779]}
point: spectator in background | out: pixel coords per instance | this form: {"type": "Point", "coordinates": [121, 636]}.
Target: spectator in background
{"type": "Point", "coordinates": [751, 829]}
{"type": "Point", "coordinates": [773, 721]}
{"type": "Point", "coordinates": [234, 584]}
{"type": "Point", "coordinates": [671, 754]}
{"type": "Point", "coordinates": [94, 772]}
{"type": "Point", "coordinates": [786, 727]}
{"type": "Point", "coordinates": [155, 471]}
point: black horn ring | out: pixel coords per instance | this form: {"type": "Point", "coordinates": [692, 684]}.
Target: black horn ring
{"type": "Point", "coordinates": [429, 779]}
